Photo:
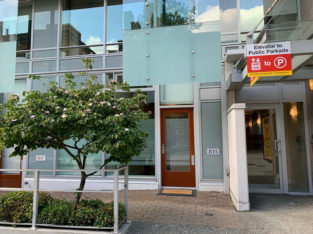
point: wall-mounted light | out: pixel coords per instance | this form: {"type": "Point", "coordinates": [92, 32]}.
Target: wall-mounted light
{"type": "Point", "coordinates": [250, 123]}
{"type": "Point", "coordinates": [311, 84]}
{"type": "Point", "coordinates": [258, 121]}
{"type": "Point", "coordinates": [293, 111]}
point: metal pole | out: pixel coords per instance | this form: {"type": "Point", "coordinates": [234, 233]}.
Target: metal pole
{"type": "Point", "coordinates": [35, 198]}
{"type": "Point", "coordinates": [126, 190]}
{"type": "Point", "coordinates": [116, 172]}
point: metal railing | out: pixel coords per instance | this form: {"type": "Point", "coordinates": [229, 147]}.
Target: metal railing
{"type": "Point", "coordinates": [36, 189]}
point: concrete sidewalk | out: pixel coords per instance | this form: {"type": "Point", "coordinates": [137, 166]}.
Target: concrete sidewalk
{"type": "Point", "coordinates": [212, 212]}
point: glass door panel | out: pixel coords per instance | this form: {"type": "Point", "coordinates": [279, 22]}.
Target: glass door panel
{"type": "Point", "coordinates": [177, 142]}
{"type": "Point", "coordinates": [263, 149]}
{"type": "Point", "coordinates": [296, 154]}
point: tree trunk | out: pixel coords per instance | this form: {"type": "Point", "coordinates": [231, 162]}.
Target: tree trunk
{"type": "Point", "coordinates": [81, 186]}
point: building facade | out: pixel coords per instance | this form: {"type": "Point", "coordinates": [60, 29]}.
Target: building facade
{"type": "Point", "coordinates": [189, 58]}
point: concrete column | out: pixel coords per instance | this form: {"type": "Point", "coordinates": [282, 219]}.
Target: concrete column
{"type": "Point", "coordinates": [238, 167]}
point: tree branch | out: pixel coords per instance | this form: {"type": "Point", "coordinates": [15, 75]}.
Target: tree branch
{"type": "Point", "coordinates": [104, 163]}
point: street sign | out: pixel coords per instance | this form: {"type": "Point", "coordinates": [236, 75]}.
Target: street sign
{"type": "Point", "coordinates": [271, 59]}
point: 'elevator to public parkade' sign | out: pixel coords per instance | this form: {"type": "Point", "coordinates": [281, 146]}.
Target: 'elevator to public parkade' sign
{"type": "Point", "coordinates": [271, 59]}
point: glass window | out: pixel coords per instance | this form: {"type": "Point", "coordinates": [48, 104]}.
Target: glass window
{"type": "Point", "coordinates": [21, 68]}
{"type": "Point", "coordinates": [85, 50]}
{"type": "Point", "coordinates": [172, 12]}
{"type": "Point", "coordinates": [296, 153]}
{"type": "Point", "coordinates": [10, 162]}
{"type": "Point", "coordinates": [41, 159]}
{"type": "Point", "coordinates": [8, 28]}
{"type": "Point", "coordinates": [45, 23]}
{"type": "Point", "coordinates": [176, 94]}
{"type": "Point", "coordinates": [144, 164]}
{"type": "Point", "coordinates": [64, 161]}
{"type": "Point", "coordinates": [8, 20]}
{"type": "Point", "coordinates": [206, 11]}
{"type": "Point", "coordinates": [44, 66]}
{"type": "Point", "coordinates": [211, 135]}
{"type": "Point", "coordinates": [251, 12]}
{"type": "Point", "coordinates": [114, 25]}
{"type": "Point", "coordinates": [78, 64]}
{"type": "Point", "coordinates": [114, 61]}
{"type": "Point", "coordinates": [42, 84]}
{"type": "Point", "coordinates": [79, 80]}
{"type": "Point", "coordinates": [24, 25]}
{"type": "Point", "coordinates": [44, 53]}
{"type": "Point", "coordinates": [135, 14]}
{"type": "Point", "coordinates": [117, 77]}
{"type": "Point", "coordinates": [228, 16]}
{"type": "Point", "coordinates": [82, 22]}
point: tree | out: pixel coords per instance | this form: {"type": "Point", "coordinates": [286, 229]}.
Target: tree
{"type": "Point", "coordinates": [95, 117]}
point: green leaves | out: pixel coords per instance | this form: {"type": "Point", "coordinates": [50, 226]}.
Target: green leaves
{"type": "Point", "coordinates": [97, 117]}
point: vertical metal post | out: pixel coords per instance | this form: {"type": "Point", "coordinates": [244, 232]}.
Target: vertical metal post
{"type": "Point", "coordinates": [35, 198]}
{"type": "Point", "coordinates": [126, 190]}
{"type": "Point", "coordinates": [116, 172]}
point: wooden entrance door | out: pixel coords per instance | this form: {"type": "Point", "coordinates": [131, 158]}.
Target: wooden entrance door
{"type": "Point", "coordinates": [177, 148]}
{"type": "Point", "coordinates": [8, 178]}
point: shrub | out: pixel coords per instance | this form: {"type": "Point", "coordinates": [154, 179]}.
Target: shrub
{"type": "Point", "coordinates": [105, 215]}
{"type": "Point", "coordinates": [17, 206]}
{"type": "Point", "coordinates": [57, 212]}
{"type": "Point", "coordinates": [83, 216]}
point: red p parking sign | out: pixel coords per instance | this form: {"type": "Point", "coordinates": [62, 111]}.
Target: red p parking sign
{"type": "Point", "coordinates": [272, 59]}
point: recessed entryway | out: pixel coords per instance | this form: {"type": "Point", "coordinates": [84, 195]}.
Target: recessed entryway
{"type": "Point", "coordinates": [177, 147]}
{"type": "Point", "coordinates": [276, 148]}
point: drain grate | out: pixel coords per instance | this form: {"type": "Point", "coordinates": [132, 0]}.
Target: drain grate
{"type": "Point", "coordinates": [208, 214]}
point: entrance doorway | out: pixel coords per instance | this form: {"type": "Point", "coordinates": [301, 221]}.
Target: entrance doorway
{"type": "Point", "coordinates": [10, 179]}
{"type": "Point", "coordinates": [276, 148]}
{"type": "Point", "coordinates": [177, 148]}
{"type": "Point", "coordinates": [263, 152]}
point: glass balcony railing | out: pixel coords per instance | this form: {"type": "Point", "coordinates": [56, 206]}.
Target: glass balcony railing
{"type": "Point", "coordinates": [289, 31]}
{"type": "Point", "coordinates": [171, 55]}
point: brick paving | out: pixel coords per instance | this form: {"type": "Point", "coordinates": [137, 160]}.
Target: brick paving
{"type": "Point", "coordinates": [206, 209]}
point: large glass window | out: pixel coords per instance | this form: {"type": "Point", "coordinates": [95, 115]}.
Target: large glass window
{"type": "Point", "coordinates": [144, 164]}
{"type": "Point", "coordinates": [24, 28]}
{"type": "Point", "coordinates": [82, 22]}
{"type": "Point", "coordinates": [65, 162]}
{"type": "Point", "coordinates": [251, 12]}
{"type": "Point", "coordinates": [46, 23]}
{"type": "Point", "coordinates": [8, 28]}
{"type": "Point", "coordinates": [172, 12]}
{"type": "Point", "coordinates": [206, 11]}
{"type": "Point", "coordinates": [229, 22]}
{"type": "Point", "coordinates": [135, 13]}
{"type": "Point", "coordinates": [114, 27]}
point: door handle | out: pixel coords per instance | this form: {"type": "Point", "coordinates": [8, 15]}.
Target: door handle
{"type": "Point", "coordinates": [192, 160]}
{"type": "Point", "coordinates": [163, 149]}
{"type": "Point", "coordinates": [277, 146]}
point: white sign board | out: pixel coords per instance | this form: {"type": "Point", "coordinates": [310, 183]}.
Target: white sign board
{"type": "Point", "coordinates": [40, 158]}
{"type": "Point", "coordinates": [213, 151]}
